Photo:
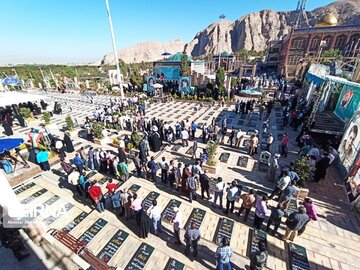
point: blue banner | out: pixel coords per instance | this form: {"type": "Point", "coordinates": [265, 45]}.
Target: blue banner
{"type": "Point", "coordinates": [185, 85]}
{"type": "Point", "coordinates": [167, 73]}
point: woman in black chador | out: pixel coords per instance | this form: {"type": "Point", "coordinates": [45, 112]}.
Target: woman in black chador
{"type": "Point", "coordinates": [68, 143]}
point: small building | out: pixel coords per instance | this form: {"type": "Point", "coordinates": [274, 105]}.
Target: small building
{"type": "Point", "coordinates": [225, 60]}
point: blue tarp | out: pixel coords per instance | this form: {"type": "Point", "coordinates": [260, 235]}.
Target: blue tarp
{"type": "Point", "coordinates": [10, 81]}
{"type": "Point", "coordinates": [313, 78]}
{"type": "Point", "coordinates": [9, 144]}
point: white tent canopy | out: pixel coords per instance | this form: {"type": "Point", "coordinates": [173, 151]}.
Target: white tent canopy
{"type": "Point", "coordinates": [9, 98]}
{"type": "Point", "coordinates": [158, 85]}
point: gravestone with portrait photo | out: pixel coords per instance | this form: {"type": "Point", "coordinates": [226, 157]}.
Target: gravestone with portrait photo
{"type": "Point", "coordinates": [197, 216]}
{"type": "Point", "coordinates": [140, 258]}
{"type": "Point", "coordinates": [298, 257]}
{"type": "Point", "coordinates": [243, 161]}
{"type": "Point", "coordinates": [256, 236]}
{"type": "Point", "coordinates": [224, 157]}
{"type": "Point", "coordinates": [224, 229]}
{"type": "Point", "coordinates": [147, 202]}
{"type": "Point", "coordinates": [168, 214]}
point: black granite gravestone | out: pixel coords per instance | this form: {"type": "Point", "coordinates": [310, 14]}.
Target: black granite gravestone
{"type": "Point", "coordinates": [34, 196]}
{"type": "Point", "coordinates": [168, 214]}
{"type": "Point", "coordinates": [224, 157]}
{"type": "Point", "coordinates": [94, 229]}
{"type": "Point", "coordinates": [24, 187]}
{"type": "Point", "coordinates": [243, 161]}
{"type": "Point", "coordinates": [176, 147]}
{"type": "Point", "coordinates": [112, 246]}
{"type": "Point", "coordinates": [197, 216]}
{"type": "Point", "coordinates": [224, 229]}
{"type": "Point", "coordinates": [298, 257]}
{"type": "Point", "coordinates": [174, 265]}
{"type": "Point", "coordinates": [139, 260]}
{"type": "Point", "coordinates": [72, 224]}
{"type": "Point", "coordinates": [147, 202]}
{"type": "Point", "coordinates": [53, 218]}
{"type": "Point", "coordinates": [134, 188]}
{"type": "Point", "coordinates": [256, 237]}
{"type": "Point", "coordinates": [91, 174]}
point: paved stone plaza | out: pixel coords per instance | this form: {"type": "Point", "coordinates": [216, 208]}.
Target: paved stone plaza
{"type": "Point", "coordinates": [331, 242]}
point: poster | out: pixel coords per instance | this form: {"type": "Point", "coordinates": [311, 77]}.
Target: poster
{"type": "Point", "coordinates": [348, 102]}
{"type": "Point", "coordinates": [150, 81]}
{"type": "Point", "coordinates": [185, 85]}
{"type": "Point", "coordinates": [350, 143]}
{"type": "Point", "coordinates": [168, 73]}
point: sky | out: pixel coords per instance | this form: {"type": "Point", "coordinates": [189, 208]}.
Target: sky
{"type": "Point", "coordinates": [77, 31]}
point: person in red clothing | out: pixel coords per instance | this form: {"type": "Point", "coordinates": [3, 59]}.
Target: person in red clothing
{"type": "Point", "coordinates": [284, 142]}
{"type": "Point", "coordinates": [96, 194]}
{"type": "Point", "coordinates": [111, 187]}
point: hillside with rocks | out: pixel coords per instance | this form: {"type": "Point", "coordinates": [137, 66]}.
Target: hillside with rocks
{"type": "Point", "coordinates": [251, 32]}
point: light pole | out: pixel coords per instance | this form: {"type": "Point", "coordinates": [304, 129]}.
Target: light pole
{"type": "Point", "coordinates": [114, 48]}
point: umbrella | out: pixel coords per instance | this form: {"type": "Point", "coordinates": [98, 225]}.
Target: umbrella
{"type": "Point", "coordinates": [158, 85]}
{"type": "Point", "coordinates": [8, 144]}
{"type": "Point", "coordinates": [166, 54]}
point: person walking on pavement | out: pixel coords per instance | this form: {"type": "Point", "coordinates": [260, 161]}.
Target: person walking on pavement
{"type": "Point", "coordinates": [275, 218]}
{"type": "Point", "coordinates": [231, 197]}
{"type": "Point", "coordinates": [294, 223]}
{"type": "Point", "coordinates": [281, 185]}
{"type": "Point", "coordinates": [177, 224]}
{"type": "Point", "coordinates": [258, 259]}
{"type": "Point", "coordinates": [248, 202]}
{"type": "Point", "coordinates": [193, 184]}
{"type": "Point", "coordinates": [192, 237]}
{"type": "Point", "coordinates": [223, 255]}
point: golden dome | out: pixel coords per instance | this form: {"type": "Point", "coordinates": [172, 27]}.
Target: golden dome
{"type": "Point", "coordinates": [327, 20]}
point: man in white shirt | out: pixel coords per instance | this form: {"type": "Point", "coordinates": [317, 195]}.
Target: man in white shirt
{"type": "Point", "coordinates": [269, 142]}
{"type": "Point", "coordinates": [219, 191]}
{"type": "Point", "coordinates": [281, 185]}
{"type": "Point", "coordinates": [232, 191]}
{"type": "Point", "coordinates": [238, 137]}
{"type": "Point", "coordinates": [154, 213]}
{"type": "Point", "coordinates": [177, 224]}
{"type": "Point", "coordinates": [185, 137]}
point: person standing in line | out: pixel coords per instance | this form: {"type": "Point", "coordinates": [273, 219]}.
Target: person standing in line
{"type": "Point", "coordinates": [269, 142]}
{"type": "Point", "coordinates": [137, 163]}
{"type": "Point", "coordinates": [73, 179]}
{"type": "Point", "coordinates": [194, 149]}
{"type": "Point", "coordinates": [310, 211]}
{"type": "Point", "coordinates": [84, 157]}
{"type": "Point", "coordinates": [291, 191]}
{"type": "Point", "coordinates": [294, 223]}
{"type": "Point", "coordinates": [153, 169]}
{"type": "Point", "coordinates": [223, 255]}
{"type": "Point", "coordinates": [281, 185]}
{"type": "Point", "coordinates": [248, 201]}
{"type": "Point", "coordinates": [90, 155]}
{"type": "Point", "coordinates": [97, 196]}
{"type": "Point", "coordinates": [193, 129]}
{"type": "Point", "coordinates": [261, 209]}
{"type": "Point", "coordinates": [43, 159]}
{"type": "Point", "coordinates": [171, 173]}
{"type": "Point", "coordinates": [154, 213]}
{"type": "Point", "coordinates": [231, 197]}
{"type": "Point", "coordinates": [258, 259]}
{"type": "Point", "coordinates": [125, 199]}
{"type": "Point", "coordinates": [321, 167]}
{"type": "Point", "coordinates": [136, 207]}
{"type": "Point", "coordinates": [205, 185]}
{"type": "Point", "coordinates": [186, 174]}
{"type": "Point", "coordinates": [164, 170]}
{"type": "Point", "coordinates": [178, 176]}
{"type": "Point", "coordinates": [79, 163]}
{"type": "Point", "coordinates": [185, 137]}
{"type": "Point", "coordinates": [219, 191]}
{"type": "Point", "coordinates": [192, 237]}
{"type": "Point", "coordinates": [271, 174]}
{"type": "Point", "coordinates": [177, 224]}
{"type": "Point", "coordinates": [193, 185]}
{"type": "Point", "coordinates": [275, 218]}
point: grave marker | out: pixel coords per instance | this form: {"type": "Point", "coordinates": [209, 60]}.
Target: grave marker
{"type": "Point", "coordinates": [140, 258]}
{"type": "Point", "coordinates": [197, 216]}
{"type": "Point", "coordinates": [298, 257]}
{"type": "Point", "coordinates": [168, 214]}
{"type": "Point", "coordinates": [24, 187]}
{"type": "Point", "coordinates": [293, 206]}
{"type": "Point", "coordinates": [91, 174]}
{"type": "Point", "coordinates": [72, 224]}
{"type": "Point", "coordinates": [112, 246]}
{"type": "Point", "coordinates": [134, 188]}
{"type": "Point", "coordinates": [224, 157]}
{"type": "Point", "coordinates": [147, 202]}
{"type": "Point", "coordinates": [224, 229]}
{"type": "Point", "coordinates": [190, 151]}
{"type": "Point", "coordinates": [90, 233]}
{"type": "Point", "coordinates": [174, 265]}
{"type": "Point", "coordinates": [243, 161]}
{"type": "Point", "coordinates": [256, 237]}
{"type": "Point", "coordinates": [34, 196]}
{"type": "Point", "coordinates": [212, 184]}
{"type": "Point", "coordinates": [51, 219]}
{"type": "Point", "coordinates": [176, 147]}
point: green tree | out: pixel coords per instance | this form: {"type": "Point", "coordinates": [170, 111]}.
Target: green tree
{"type": "Point", "coordinates": [220, 77]}
{"type": "Point", "coordinates": [331, 53]}
{"type": "Point", "coordinates": [184, 66]}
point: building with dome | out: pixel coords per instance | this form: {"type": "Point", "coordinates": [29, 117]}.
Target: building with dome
{"type": "Point", "coordinates": [302, 45]}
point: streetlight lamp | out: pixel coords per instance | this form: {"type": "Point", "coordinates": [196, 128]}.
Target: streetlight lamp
{"type": "Point", "coordinates": [114, 48]}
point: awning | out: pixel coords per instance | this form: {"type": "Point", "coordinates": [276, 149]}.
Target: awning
{"type": "Point", "coordinates": [9, 144]}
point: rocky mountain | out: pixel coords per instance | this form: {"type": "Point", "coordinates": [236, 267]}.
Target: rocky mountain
{"type": "Point", "coordinates": [146, 51]}
{"type": "Point", "coordinates": [251, 32]}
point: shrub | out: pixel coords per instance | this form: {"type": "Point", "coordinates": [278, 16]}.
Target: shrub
{"type": "Point", "coordinates": [302, 168]}
{"type": "Point", "coordinates": [25, 112]}
{"type": "Point", "coordinates": [69, 123]}
{"type": "Point", "coordinates": [211, 149]}
{"type": "Point", "coordinates": [98, 128]}
{"type": "Point", "coordinates": [136, 138]}
{"type": "Point", "coordinates": [130, 146]}
{"type": "Point", "coordinates": [115, 140]}
{"type": "Point", "coordinates": [46, 117]}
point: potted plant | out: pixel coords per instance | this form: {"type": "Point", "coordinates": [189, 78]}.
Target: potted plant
{"type": "Point", "coordinates": [25, 112]}
{"type": "Point", "coordinates": [46, 117]}
{"type": "Point", "coordinates": [211, 149]}
{"type": "Point", "coordinates": [302, 168]}
{"type": "Point", "coordinates": [69, 123]}
{"type": "Point", "coordinates": [98, 128]}
{"type": "Point", "coordinates": [136, 139]}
